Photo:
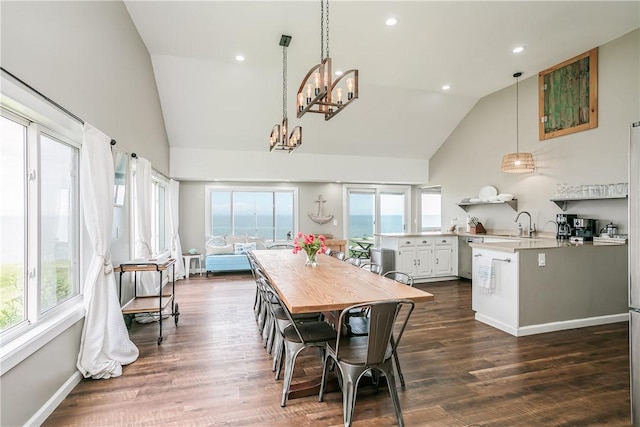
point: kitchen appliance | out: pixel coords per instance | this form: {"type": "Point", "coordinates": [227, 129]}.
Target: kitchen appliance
{"type": "Point", "coordinates": [465, 258]}
{"type": "Point", "coordinates": [565, 226]}
{"type": "Point", "coordinates": [610, 230]}
{"type": "Point", "coordinates": [585, 228]}
{"type": "Point", "coordinates": [634, 270]}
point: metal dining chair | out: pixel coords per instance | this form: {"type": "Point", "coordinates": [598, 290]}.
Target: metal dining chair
{"type": "Point", "coordinates": [372, 267]}
{"type": "Point", "coordinates": [281, 246]}
{"type": "Point", "coordinates": [338, 254]}
{"type": "Point", "coordinates": [353, 261]}
{"type": "Point", "coordinates": [356, 355]}
{"type": "Point", "coordinates": [298, 335]}
{"type": "Point", "coordinates": [400, 276]}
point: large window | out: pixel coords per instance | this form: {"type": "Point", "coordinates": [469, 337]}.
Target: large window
{"type": "Point", "coordinates": [39, 222]}
{"type": "Point", "coordinates": [265, 213]}
{"type": "Point", "coordinates": [372, 210]}
{"type": "Point", "coordinates": [430, 207]}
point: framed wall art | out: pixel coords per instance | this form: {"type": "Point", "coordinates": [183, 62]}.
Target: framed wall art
{"type": "Point", "coordinates": [568, 96]}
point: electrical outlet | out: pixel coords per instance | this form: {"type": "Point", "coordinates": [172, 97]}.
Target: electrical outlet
{"type": "Point", "coordinates": [542, 261]}
{"type": "Point", "coordinates": [335, 222]}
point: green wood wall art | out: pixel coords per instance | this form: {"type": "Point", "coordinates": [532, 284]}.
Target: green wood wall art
{"type": "Point", "coordinates": [568, 96]}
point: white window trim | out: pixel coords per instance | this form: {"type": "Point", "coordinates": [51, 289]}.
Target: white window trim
{"type": "Point", "coordinates": [222, 187]}
{"type": "Point", "coordinates": [376, 189]}
{"type": "Point", "coordinates": [18, 344]}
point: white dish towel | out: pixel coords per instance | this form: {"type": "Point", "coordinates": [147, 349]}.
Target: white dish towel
{"type": "Point", "coordinates": [486, 274]}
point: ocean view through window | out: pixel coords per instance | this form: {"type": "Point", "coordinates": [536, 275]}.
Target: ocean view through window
{"type": "Point", "coordinates": [267, 214]}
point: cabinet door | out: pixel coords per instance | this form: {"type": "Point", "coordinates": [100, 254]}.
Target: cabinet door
{"type": "Point", "coordinates": [443, 260]}
{"type": "Point", "coordinates": [424, 261]}
{"type": "Point", "coordinates": [406, 260]}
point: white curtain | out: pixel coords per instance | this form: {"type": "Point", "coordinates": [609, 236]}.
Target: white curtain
{"type": "Point", "coordinates": [174, 218]}
{"type": "Point", "coordinates": [105, 345]}
{"type": "Point", "coordinates": [148, 283]}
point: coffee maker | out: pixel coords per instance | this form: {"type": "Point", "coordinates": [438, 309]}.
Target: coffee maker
{"type": "Point", "coordinates": [566, 228]}
{"type": "Point", "coordinates": [585, 229]}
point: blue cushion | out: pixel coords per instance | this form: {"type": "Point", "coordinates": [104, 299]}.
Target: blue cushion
{"type": "Point", "coordinates": [215, 263]}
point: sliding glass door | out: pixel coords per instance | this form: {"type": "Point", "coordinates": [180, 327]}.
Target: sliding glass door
{"type": "Point", "coordinates": [372, 210]}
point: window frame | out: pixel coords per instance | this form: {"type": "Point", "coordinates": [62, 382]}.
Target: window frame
{"type": "Point", "coordinates": [429, 190]}
{"type": "Point", "coordinates": [236, 188]}
{"type": "Point", "coordinates": [377, 190]}
{"type": "Point", "coordinates": [41, 326]}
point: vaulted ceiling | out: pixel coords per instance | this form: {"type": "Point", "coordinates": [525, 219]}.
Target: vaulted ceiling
{"type": "Point", "coordinates": [211, 101]}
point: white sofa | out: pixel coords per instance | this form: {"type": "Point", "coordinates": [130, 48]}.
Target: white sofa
{"type": "Point", "coordinates": [229, 253]}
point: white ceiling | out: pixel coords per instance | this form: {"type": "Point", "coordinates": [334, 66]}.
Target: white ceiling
{"type": "Point", "coordinates": [211, 101]}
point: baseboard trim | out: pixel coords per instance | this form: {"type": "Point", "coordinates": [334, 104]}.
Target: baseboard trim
{"type": "Point", "coordinates": [47, 409]}
{"type": "Point", "coordinates": [553, 326]}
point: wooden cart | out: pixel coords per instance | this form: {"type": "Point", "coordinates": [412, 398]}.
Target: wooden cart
{"type": "Point", "coordinates": [152, 305]}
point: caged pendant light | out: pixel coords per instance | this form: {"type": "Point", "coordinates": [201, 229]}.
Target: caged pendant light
{"type": "Point", "coordinates": [317, 92]}
{"type": "Point", "coordinates": [517, 162]}
{"type": "Point", "coordinates": [280, 139]}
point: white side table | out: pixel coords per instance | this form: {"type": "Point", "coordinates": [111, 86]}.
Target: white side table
{"type": "Point", "coordinates": [187, 263]}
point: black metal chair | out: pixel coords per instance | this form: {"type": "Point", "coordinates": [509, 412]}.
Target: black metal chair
{"type": "Point", "coordinates": [355, 355]}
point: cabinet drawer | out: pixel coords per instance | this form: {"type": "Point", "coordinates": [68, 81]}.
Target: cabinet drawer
{"type": "Point", "coordinates": [406, 241]}
{"type": "Point", "coordinates": [444, 240]}
{"type": "Point", "coordinates": [424, 241]}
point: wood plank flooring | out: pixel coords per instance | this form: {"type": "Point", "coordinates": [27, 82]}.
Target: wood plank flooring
{"type": "Point", "coordinates": [212, 370]}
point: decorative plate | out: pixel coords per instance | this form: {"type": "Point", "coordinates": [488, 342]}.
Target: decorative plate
{"type": "Point", "coordinates": [487, 192]}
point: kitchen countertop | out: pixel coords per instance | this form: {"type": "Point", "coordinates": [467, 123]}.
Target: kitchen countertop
{"type": "Point", "coordinates": [535, 244]}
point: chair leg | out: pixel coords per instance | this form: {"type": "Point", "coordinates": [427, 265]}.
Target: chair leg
{"type": "Point", "coordinates": [397, 363]}
{"type": "Point", "coordinates": [393, 391]}
{"type": "Point", "coordinates": [325, 372]}
{"type": "Point", "coordinates": [291, 353]}
{"type": "Point", "coordinates": [349, 389]}
{"type": "Point", "coordinates": [280, 356]}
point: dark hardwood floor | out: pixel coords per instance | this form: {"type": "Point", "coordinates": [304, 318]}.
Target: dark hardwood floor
{"type": "Point", "coordinates": [213, 370]}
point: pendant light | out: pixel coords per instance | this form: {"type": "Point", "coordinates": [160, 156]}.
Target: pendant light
{"type": "Point", "coordinates": [317, 92]}
{"type": "Point", "coordinates": [517, 162]}
{"type": "Point", "coordinates": [280, 139]}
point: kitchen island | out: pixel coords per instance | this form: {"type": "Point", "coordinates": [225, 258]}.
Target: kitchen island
{"type": "Point", "coordinates": [543, 285]}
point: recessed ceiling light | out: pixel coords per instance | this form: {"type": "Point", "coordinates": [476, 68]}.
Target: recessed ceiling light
{"type": "Point", "coordinates": [446, 87]}
{"type": "Point", "coordinates": [240, 58]}
{"type": "Point", "coordinates": [391, 22]}
{"type": "Point", "coordinates": [518, 49]}
{"type": "Point", "coordinates": [338, 73]}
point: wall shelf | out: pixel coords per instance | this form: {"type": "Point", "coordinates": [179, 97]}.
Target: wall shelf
{"type": "Point", "coordinates": [513, 203]}
{"type": "Point", "coordinates": [562, 203]}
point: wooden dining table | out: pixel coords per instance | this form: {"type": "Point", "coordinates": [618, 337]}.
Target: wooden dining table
{"type": "Point", "coordinates": [332, 285]}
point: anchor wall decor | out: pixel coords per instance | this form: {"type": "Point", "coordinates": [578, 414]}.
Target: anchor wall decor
{"type": "Point", "coordinates": [321, 217]}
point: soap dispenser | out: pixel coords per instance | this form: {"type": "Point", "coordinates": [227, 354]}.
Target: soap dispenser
{"type": "Point", "coordinates": [519, 230]}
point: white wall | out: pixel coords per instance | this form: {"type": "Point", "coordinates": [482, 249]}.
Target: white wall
{"type": "Point", "coordinates": [88, 57]}
{"type": "Point", "coordinates": [470, 158]}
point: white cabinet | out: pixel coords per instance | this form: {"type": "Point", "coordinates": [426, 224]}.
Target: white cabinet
{"type": "Point", "coordinates": [444, 259]}
{"type": "Point", "coordinates": [424, 257]}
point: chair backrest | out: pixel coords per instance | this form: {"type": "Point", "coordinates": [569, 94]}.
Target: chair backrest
{"type": "Point", "coordinates": [282, 246]}
{"type": "Point", "coordinates": [382, 322]}
{"type": "Point", "coordinates": [353, 261]}
{"type": "Point", "coordinates": [400, 276]}
{"type": "Point", "coordinates": [338, 254]}
{"type": "Point", "coordinates": [372, 267]}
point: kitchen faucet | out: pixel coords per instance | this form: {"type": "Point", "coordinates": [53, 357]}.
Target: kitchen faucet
{"type": "Point", "coordinates": [551, 222]}
{"type": "Point", "coordinates": [528, 232]}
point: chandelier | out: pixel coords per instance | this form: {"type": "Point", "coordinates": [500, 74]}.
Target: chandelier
{"type": "Point", "coordinates": [280, 139]}
{"type": "Point", "coordinates": [317, 92]}
{"type": "Point", "coordinates": [517, 162]}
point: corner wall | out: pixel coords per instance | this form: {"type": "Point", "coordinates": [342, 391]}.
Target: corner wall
{"type": "Point", "coordinates": [470, 158]}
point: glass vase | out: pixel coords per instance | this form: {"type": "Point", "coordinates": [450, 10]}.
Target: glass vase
{"type": "Point", "coordinates": [312, 259]}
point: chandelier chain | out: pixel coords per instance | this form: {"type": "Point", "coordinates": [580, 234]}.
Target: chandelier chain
{"type": "Point", "coordinates": [284, 82]}
{"type": "Point", "coordinates": [321, 30]}
{"type": "Point", "coordinates": [327, 29]}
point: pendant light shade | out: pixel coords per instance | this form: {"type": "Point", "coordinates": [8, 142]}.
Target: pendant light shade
{"type": "Point", "coordinates": [517, 162]}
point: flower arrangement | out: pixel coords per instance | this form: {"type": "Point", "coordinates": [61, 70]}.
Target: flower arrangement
{"type": "Point", "coordinates": [311, 245]}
